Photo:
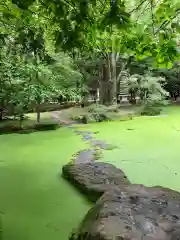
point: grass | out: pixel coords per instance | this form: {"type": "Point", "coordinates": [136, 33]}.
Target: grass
{"type": "Point", "coordinates": [36, 203]}
{"type": "Point", "coordinates": [148, 147]}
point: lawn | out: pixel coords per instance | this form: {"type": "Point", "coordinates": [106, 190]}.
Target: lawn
{"type": "Point", "coordinates": [36, 203]}
{"type": "Point", "coordinates": [148, 147]}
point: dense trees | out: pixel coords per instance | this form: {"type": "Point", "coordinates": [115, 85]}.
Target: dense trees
{"type": "Point", "coordinates": [30, 73]}
{"type": "Point", "coordinates": [52, 49]}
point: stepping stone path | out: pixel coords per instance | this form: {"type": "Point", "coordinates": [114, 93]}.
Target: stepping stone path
{"type": "Point", "coordinates": [84, 156]}
{"type": "Point", "coordinates": [94, 178]}
{"type": "Point", "coordinates": [122, 211]}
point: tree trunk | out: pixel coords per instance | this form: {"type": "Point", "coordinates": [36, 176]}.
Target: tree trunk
{"type": "Point", "coordinates": [1, 114]}
{"type": "Point", "coordinates": [38, 114]}
{"type": "Point", "coordinates": [113, 79]}
{"type": "Point", "coordinates": [104, 91]}
{"type": "Point", "coordinates": [38, 111]}
{"type": "Point", "coordinates": [108, 89]}
{"type": "Point", "coordinates": [21, 118]}
{"type": "Point", "coordinates": [110, 80]}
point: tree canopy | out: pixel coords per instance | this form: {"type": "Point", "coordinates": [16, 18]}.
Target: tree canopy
{"type": "Point", "coordinates": [144, 28]}
{"type": "Point", "coordinates": [43, 44]}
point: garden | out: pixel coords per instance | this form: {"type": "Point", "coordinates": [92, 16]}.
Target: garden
{"type": "Point", "coordinates": [89, 119]}
{"type": "Point", "coordinates": [37, 201]}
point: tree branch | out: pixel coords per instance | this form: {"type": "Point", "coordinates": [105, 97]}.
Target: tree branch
{"type": "Point", "coordinates": [152, 16]}
{"type": "Point", "coordinates": [136, 8]}
{"type": "Point", "coordinates": [142, 12]}
{"type": "Point", "coordinates": [166, 22]}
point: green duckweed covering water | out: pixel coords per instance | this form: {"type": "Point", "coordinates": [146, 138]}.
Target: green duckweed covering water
{"type": "Point", "coordinates": [148, 147]}
{"type": "Point", "coordinates": [36, 203]}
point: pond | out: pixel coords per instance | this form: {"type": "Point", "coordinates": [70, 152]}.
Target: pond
{"type": "Point", "coordinates": [147, 147]}
{"type": "Point", "coordinates": [36, 203]}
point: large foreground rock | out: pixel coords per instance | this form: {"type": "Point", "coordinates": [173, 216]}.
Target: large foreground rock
{"type": "Point", "coordinates": [150, 192]}
{"type": "Point", "coordinates": [137, 213]}
{"type": "Point", "coordinates": [94, 178]}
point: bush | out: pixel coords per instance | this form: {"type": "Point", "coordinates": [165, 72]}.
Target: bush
{"type": "Point", "coordinates": [84, 119]}
{"type": "Point", "coordinates": [156, 100]}
{"type": "Point", "coordinates": [100, 113]}
{"type": "Point", "coordinates": [151, 110]}
{"type": "Point", "coordinates": [81, 118]}
{"type": "Point", "coordinates": [96, 108]}
{"type": "Point", "coordinates": [113, 108]}
{"type": "Point", "coordinates": [46, 126]}
{"type": "Point", "coordinates": [4, 129]}
{"type": "Point", "coordinates": [100, 117]}
{"type": "Point", "coordinates": [153, 105]}
{"type": "Point", "coordinates": [14, 127]}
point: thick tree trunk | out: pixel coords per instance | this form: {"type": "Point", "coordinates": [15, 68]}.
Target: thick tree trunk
{"type": "Point", "coordinates": [108, 86]}
{"type": "Point", "coordinates": [105, 87]}
{"type": "Point", "coordinates": [113, 79]}
{"type": "Point", "coordinates": [110, 79]}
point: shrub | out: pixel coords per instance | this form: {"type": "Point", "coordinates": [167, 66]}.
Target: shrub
{"type": "Point", "coordinates": [13, 127]}
{"type": "Point", "coordinates": [113, 108]}
{"type": "Point", "coordinates": [126, 117]}
{"type": "Point", "coordinates": [151, 110]}
{"type": "Point", "coordinates": [100, 117]}
{"type": "Point", "coordinates": [81, 118]}
{"type": "Point", "coordinates": [156, 99]}
{"type": "Point", "coordinates": [46, 126]}
{"type": "Point", "coordinates": [9, 129]}
{"type": "Point", "coordinates": [96, 108]}
{"type": "Point", "coordinates": [84, 119]}
{"type": "Point", "coordinates": [153, 104]}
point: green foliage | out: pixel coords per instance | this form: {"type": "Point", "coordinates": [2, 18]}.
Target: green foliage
{"type": "Point", "coordinates": [28, 77]}
{"type": "Point", "coordinates": [38, 37]}
{"type": "Point", "coordinates": [147, 87]}
{"type": "Point", "coordinates": [96, 113]}
{"type": "Point", "coordinates": [150, 110]}
{"type": "Point", "coordinates": [100, 117]}
{"type": "Point", "coordinates": [81, 118]}
{"type": "Point", "coordinates": [97, 108]}
{"type": "Point", "coordinates": [46, 126]}
{"type": "Point", "coordinates": [151, 92]}
{"type": "Point", "coordinates": [88, 24]}
{"type": "Point", "coordinates": [13, 126]}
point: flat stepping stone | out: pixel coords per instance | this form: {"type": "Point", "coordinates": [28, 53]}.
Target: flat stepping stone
{"type": "Point", "coordinates": [80, 132]}
{"type": "Point", "coordinates": [94, 178]}
{"type": "Point", "coordinates": [87, 137]}
{"type": "Point", "coordinates": [85, 156]}
{"type": "Point", "coordinates": [102, 144]}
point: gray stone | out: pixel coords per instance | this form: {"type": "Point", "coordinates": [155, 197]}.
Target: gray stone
{"type": "Point", "coordinates": [94, 178]}
{"type": "Point", "coordinates": [135, 213]}
{"type": "Point", "coordinates": [85, 156]}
